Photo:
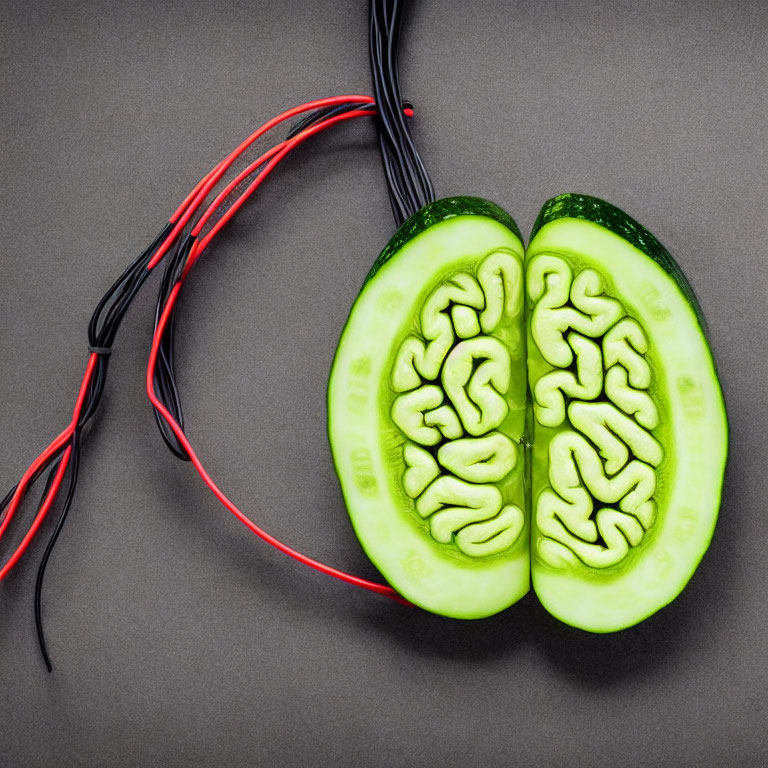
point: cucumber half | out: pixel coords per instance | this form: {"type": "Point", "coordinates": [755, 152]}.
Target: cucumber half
{"type": "Point", "coordinates": [427, 411]}
{"type": "Point", "coordinates": [629, 428]}
{"type": "Point", "coordinates": [494, 417]}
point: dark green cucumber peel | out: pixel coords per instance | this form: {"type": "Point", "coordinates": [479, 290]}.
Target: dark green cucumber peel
{"type": "Point", "coordinates": [577, 206]}
{"type": "Point", "coordinates": [433, 484]}
{"type": "Point", "coordinates": [630, 442]}
{"type": "Point", "coordinates": [434, 213]}
{"type": "Point", "coordinates": [627, 405]}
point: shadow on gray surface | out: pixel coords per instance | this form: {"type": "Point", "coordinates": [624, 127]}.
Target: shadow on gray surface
{"type": "Point", "coordinates": [594, 660]}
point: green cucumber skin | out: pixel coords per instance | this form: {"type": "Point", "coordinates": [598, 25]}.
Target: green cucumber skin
{"type": "Point", "coordinates": [577, 206]}
{"type": "Point", "coordinates": [574, 598]}
{"type": "Point", "coordinates": [604, 216]}
{"type": "Point", "coordinates": [455, 232]}
{"type": "Point", "coordinates": [434, 213]}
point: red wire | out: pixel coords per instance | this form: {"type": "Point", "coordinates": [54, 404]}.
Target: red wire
{"type": "Point", "coordinates": [191, 196]}
{"type": "Point", "coordinates": [210, 181]}
{"type": "Point", "coordinates": [180, 219]}
{"type": "Point", "coordinates": [39, 462]}
{"type": "Point", "coordinates": [276, 154]}
{"type": "Point", "coordinates": [244, 174]}
{"type": "Point", "coordinates": [220, 495]}
{"type": "Point", "coordinates": [45, 507]}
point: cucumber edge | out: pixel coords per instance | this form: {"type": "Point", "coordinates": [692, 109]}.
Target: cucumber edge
{"type": "Point", "coordinates": [598, 211]}
{"type": "Point", "coordinates": [434, 213]}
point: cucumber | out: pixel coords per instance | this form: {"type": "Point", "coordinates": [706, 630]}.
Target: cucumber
{"type": "Point", "coordinates": [427, 410]}
{"type": "Point", "coordinates": [629, 426]}
{"type": "Point", "coordinates": [563, 424]}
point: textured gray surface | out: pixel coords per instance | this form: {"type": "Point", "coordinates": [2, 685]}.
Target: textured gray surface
{"type": "Point", "coordinates": [178, 638]}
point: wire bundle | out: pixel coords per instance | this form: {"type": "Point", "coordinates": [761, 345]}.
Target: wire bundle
{"type": "Point", "coordinates": [410, 187]}
{"type": "Point", "coordinates": [179, 245]}
{"type": "Point", "coordinates": [64, 452]}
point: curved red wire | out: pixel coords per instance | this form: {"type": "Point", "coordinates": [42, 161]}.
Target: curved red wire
{"type": "Point", "coordinates": [276, 154]}
{"type": "Point", "coordinates": [210, 181]}
{"type": "Point", "coordinates": [180, 219]}
{"type": "Point", "coordinates": [40, 462]}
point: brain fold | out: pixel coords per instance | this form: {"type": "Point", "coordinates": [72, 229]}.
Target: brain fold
{"type": "Point", "coordinates": [450, 382]}
{"type": "Point", "coordinates": [604, 452]}
{"type": "Point", "coordinates": [487, 459]}
{"type": "Point", "coordinates": [551, 286]}
{"type": "Point", "coordinates": [476, 376]}
{"type": "Point", "coordinates": [586, 383]}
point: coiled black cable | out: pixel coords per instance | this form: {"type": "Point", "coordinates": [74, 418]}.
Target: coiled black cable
{"type": "Point", "coordinates": [410, 187]}
{"type": "Point", "coordinates": [165, 382]}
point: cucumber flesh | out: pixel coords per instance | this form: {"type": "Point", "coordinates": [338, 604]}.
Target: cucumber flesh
{"type": "Point", "coordinates": [630, 432]}
{"type": "Point", "coordinates": [494, 419]}
{"type": "Point", "coordinates": [427, 409]}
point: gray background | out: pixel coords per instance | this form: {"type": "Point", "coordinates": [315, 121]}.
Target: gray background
{"type": "Point", "coordinates": [178, 638]}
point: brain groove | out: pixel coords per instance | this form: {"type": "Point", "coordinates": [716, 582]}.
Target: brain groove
{"type": "Point", "coordinates": [597, 398]}
{"type": "Point", "coordinates": [450, 384]}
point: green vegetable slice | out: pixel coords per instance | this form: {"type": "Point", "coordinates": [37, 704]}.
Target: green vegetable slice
{"type": "Point", "coordinates": [427, 410]}
{"type": "Point", "coordinates": [629, 425]}
{"type": "Point", "coordinates": [430, 415]}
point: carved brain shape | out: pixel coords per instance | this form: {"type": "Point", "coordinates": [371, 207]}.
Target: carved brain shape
{"type": "Point", "coordinates": [573, 442]}
{"type": "Point", "coordinates": [599, 502]}
{"type": "Point", "coordinates": [450, 384]}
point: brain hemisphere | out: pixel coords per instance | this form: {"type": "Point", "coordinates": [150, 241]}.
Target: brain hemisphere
{"type": "Point", "coordinates": [450, 382]}
{"type": "Point", "coordinates": [593, 396]}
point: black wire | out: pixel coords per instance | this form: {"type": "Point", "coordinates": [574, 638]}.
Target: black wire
{"type": "Point", "coordinates": [428, 190]}
{"type": "Point", "coordinates": [324, 114]}
{"type": "Point", "coordinates": [94, 331]}
{"type": "Point", "coordinates": [74, 470]}
{"type": "Point", "coordinates": [385, 87]}
{"type": "Point", "coordinates": [102, 330]}
{"type": "Point", "coordinates": [164, 377]}
{"type": "Point", "coordinates": [409, 184]}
